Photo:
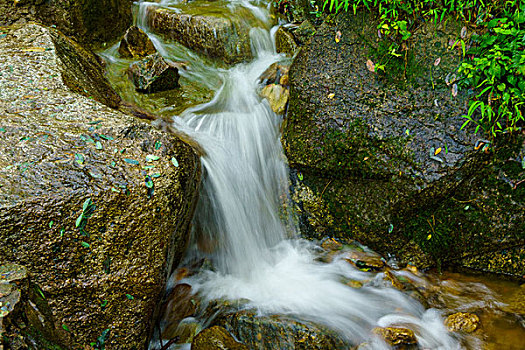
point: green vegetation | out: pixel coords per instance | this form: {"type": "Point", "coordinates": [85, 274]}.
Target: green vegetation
{"type": "Point", "coordinates": [493, 67]}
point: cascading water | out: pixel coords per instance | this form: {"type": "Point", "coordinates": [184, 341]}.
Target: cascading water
{"type": "Point", "coordinates": [241, 227]}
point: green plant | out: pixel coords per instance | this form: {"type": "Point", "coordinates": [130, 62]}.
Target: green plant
{"type": "Point", "coordinates": [496, 73]}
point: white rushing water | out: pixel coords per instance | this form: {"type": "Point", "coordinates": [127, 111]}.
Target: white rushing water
{"type": "Point", "coordinates": [241, 227]}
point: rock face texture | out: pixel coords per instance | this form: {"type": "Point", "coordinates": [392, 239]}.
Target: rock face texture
{"type": "Point", "coordinates": [94, 203]}
{"type": "Point", "coordinates": [381, 157]}
{"type": "Point", "coordinates": [92, 22]}
{"type": "Point", "coordinates": [135, 44]}
{"type": "Point", "coordinates": [154, 74]}
{"type": "Point", "coordinates": [213, 35]}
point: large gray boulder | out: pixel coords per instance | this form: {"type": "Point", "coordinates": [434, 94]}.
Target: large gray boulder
{"type": "Point", "coordinates": [94, 203]}
{"type": "Point", "coordinates": [381, 157]}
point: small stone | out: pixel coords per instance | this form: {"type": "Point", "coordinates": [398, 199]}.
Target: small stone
{"type": "Point", "coordinates": [398, 338]}
{"type": "Point", "coordinates": [216, 337]}
{"type": "Point", "coordinates": [462, 322]}
{"type": "Point", "coordinates": [366, 260]}
{"type": "Point", "coordinates": [273, 74]}
{"type": "Point", "coordinates": [284, 42]}
{"type": "Point", "coordinates": [136, 44]}
{"type": "Point", "coordinates": [154, 74]}
{"type": "Point", "coordinates": [277, 96]}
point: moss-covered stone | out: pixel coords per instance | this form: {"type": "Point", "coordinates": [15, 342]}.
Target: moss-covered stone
{"type": "Point", "coordinates": [216, 35]}
{"type": "Point", "coordinates": [92, 22]}
{"type": "Point", "coordinates": [135, 44]}
{"type": "Point", "coordinates": [285, 42]}
{"type": "Point", "coordinates": [216, 338]}
{"type": "Point", "coordinates": [381, 157]}
{"type": "Point", "coordinates": [85, 204]}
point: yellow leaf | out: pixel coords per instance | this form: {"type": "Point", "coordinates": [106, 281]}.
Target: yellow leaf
{"type": "Point", "coordinates": [331, 96]}
{"type": "Point", "coordinates": [429, 237]}
{"type": "Point", "coordinates": [437, 151]}
{"type": "Point", "coordinates": [337, 36]}
{"type": "Point", "coordinates": [370, 66]}
{"type": "Point", "coordinates": [34, 49]}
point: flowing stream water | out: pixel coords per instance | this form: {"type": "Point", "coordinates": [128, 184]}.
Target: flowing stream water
{"type": "Point", "coordinates": [241, 225]}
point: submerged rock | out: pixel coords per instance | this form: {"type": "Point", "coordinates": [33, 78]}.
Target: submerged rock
{"type": "Point", "coordinates": [462, 322]}
{"type": "Point", "coordinates": [216, 338]}
{"type": "Point", "coordinates": [136, 44]}
{"type": "Point", "coordinates": [398, 338]}
{"type": "Point", "coordinates": [380, 157]}
{"type": "Point", "coordinates": [214, 35]}
{"type": "Point", "coordinates": [75, 206]}
{"type": "Point", "coordinates": [154, 74]}
{"type": "Point", "coordinates": [277, 332]}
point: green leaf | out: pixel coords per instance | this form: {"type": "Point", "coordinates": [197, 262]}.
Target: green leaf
{"type": "Point", "coordinates": [66, 328]}
{"type": "Point", "coordinates": [156, 175]}
{"type": "Point", "coordinates": [151, 157]}
{"type": "Point", "coordinates": [95, 122]}
{"type": "Point", "coordinates": [51, 224]}
{"type": "Point", "coordinates": [87, 203]}
{"type": "Point", "coordinates": [104, 303]}
{"type": "Point", "coordinates": [62, 231]}
{"type": "Point", "coordinates": [390, 228]}
{"type": "Point", "coordinates": [108, 138]}
{"type": "Point", "coordinates": [129, 296]}
{"type": "Point", "coordinates": [300, 176]}
{"type": "Point", "coordinates": [87, 138]}
{"type": "Point", "coordinates": [149, 182]}
{"type": "Point", "coordinates": [98, 145]}
{"type": "Point", "coordinates": [79, 220]}
{"type": "Point", "coordinates": [131, 161]}
{"type": "Point", "coordinates": [84, 244]}
{"type": "Point", "coordinates": [79, 158]}
{"type": "Point", "coordinates": [158, 144]}
{"type": "Point", "coordinates": [174, 162]}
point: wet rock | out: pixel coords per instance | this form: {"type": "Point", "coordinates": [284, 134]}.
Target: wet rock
{"type": "Point", "coordinates": [136, 44]}
{"type": "Point", "coordinates": [284, 42]}
{"type": "Point", "coordinates": [277, 97]}
{"type": "Point", "coordinates": [218, 36]}
{"type": "Point", "coordinates": [277, 332]}
{"type": "Point", "coordinates": [462, 322]}
{"type": "Point", "coordinates": [74, 208]}
{"type": "Point", "coordinates": [397, 338]}
{"type": "Point", "coordinates": [303, 32]}
{"type": "Point", "coordinates": [181, 303]}
{"type": "Point", "coordinates": [91, 22]}
{"type": "Point", "coordinates": [274, 74]}
{"type": "Point", "coordinates": [365, 260]}
{"type": "Point", "coordinates": [383, 154]}
{"type": "Point", "coordinates": [516, 304]}
{"type": "Point", "coordinates": [154, 74]}
{"type": "Point", "coordinates": [186, 331]}
{"type": "Point", "coordinates": [216, 338]}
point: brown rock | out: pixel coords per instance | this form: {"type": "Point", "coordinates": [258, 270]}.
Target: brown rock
{"type": "Point", "coordinates": [365, 260]}
{"type": "Point", "coordinates": [181, 303]}
{"type": "Point", "coordinates": [462, 322]}
{"type": "Point", "coordinates": [397, 338]}
{"type": "Point", "coordinates": [136, 44]}
{"type": "Point", "coordinates": [274, 73]}
{"type": "Point", "coordinates": [154, 74]}
{"type": "Point", "coordinates": [277, 96]}
{"type": "Point", "coordinates": [218, 338]}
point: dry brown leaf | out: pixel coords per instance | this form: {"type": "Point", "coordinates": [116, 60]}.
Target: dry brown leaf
{"type": "Point", "coordinates": [437, 61]}
{"type": "Point", "coordinates": [370, 66]}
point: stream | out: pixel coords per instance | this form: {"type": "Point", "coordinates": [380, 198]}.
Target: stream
{"type": "Point", "coordinates": [245, 241]}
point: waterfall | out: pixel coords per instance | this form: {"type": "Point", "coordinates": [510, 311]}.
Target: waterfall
{"type": "Point", "coordinates": [241, 227]}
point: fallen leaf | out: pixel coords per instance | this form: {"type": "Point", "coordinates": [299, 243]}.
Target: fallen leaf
{"type": "Point", "coordinates": [370, 66]}
{"type": "Point", "coordinates": [455, 90]}
{"type": "Point", "coordinates": [463, 32]}
{"type": "Point", "coordinates": [174, 162]}
{"type": "Point", "coordinates": [331, 96]}
{"type": "Point", "coordinates": [437, 151]}
{"type": "Point", "coordinates": [436, 62]}
{"type": "Point", "coordinates": [34, 49]}
{"type": "Point", "coordinates": [337, 36]}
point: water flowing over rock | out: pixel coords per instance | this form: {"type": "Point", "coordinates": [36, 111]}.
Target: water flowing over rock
{"type": "Point", "coordinates": [383, 156]}
{"type": "Point", "coordinates": [92, 22]}
{"type": "Point", "coordinates": [154, 74]}
{"type": "Point", "coordinates": [136, 44]}
{"type": "Point", "coordinates": [398, 338]}
{"type": "Point", "coordinates": [95, 204]}
{"type": "Point", "coordinates": [216, 338]}
{"type": "Point", "coordinates": [462, 322]}
{"type": "Point", "coordinates": [215, 36]}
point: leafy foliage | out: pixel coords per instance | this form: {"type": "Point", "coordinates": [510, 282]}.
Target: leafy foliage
{"type": "Point", "coordinates": [494, 65]}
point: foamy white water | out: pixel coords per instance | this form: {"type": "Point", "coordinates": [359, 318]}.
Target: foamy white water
{"type": "Point", "coordinates": [241, 227]}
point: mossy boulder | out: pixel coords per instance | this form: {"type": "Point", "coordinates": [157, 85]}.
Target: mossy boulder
{"type": "Point", "coordinates": [91, 22]}
{"type": "Point", "coordinates": [376, 154]}
{"type": "Point", "coordinates": [91, 202]}
{"type": "Point", "coordinates": [277, 332]}
{"type": "Point", "coordinates": [216, 338]}
{"type": "Point", "coordinates": [217, 35]}
{"type": "Point", "coordinates": [135, 44]}
{"type": "Point", "coordinates": [154, 74]}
